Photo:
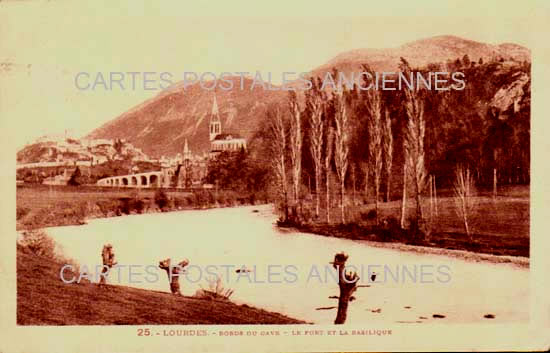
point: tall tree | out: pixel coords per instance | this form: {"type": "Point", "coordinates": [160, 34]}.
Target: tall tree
{"type": "Point", "coordinates": [278, 134]}
{"type": "Point", "coordinates": [315, 101]}
{"type": "Point", "coordinates": [414, 141]}
{"type": "Point", "coordinates": [342, 136]}
{"type": "Point", "coordinates": [296, 139]}
{"type": "Point", "coordinates": [373, 104]}
{"type": "Point", "coordinates": [328, 158]}
{"type": "Point", "coordinates": [388, 151]}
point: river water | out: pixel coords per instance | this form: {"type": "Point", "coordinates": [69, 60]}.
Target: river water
{"type": "Point", "coordinates": [290, 271]}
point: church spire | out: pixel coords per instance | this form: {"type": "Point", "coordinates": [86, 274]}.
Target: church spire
{"type": "Point", "coordinates": [215, 111]}
{"type": "Point", "coordinates": [215, 122]}
{"type": "Point", "coordinates": [185, 147]}
{"type": "Point", "coordinates": [186, 151]}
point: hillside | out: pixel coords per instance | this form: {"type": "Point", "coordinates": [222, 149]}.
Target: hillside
{"type": "Point", "coordinates": [425, 51]}
{"type": "Point", "coordinates": [73, 150]}
{"type": "Point", "coordinates": [43, 299]}
{"type": "Point", "coordinates": [160, 125]}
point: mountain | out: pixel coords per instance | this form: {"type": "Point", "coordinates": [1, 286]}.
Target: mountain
{"type": "Point", "coordinates": [160, 125]}
{"type": "Point", "coordinates": [425, 51]}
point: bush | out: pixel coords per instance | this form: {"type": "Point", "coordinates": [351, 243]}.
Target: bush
{"type": "Point", "coordinates": [125, 206]}
{"type": "Point", "coordinates": [161, 199]}
{"type": "Point", "coordinates": [216, 290]}
{"type": "Point", "coordinates": [38, 243]}
{"type": "Point", "coordinates": [21, 212]}
{"type": "Point", "coordinates": [200, 198]}
{"type": "Point", "coordinates": [390, 229]}
{"type": "Point", "coordinates": [181, 202]}
{"type": "Point", "coordinates": [368, 216]}
{"type": "Point", "coordinates": [415, 235]}
{"type": "Point", "coordinates": [108, 206]}
{"type": "Point", "coordinates": [138, 205]}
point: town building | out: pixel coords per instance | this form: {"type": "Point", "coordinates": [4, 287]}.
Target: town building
{"type": "Point", "coordinates": [219, 142]}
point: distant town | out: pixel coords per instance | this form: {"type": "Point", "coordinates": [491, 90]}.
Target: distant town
{"type": "Point", "coordinates": [66, 160]}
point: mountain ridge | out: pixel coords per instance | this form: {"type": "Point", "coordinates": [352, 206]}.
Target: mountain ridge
{"type": "Point", "coordinates": [160, 125]}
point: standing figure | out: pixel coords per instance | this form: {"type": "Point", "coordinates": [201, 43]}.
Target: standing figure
{"type": "Point", "coordinates": [108, 257]}
{"type": "Point", "coordinates": [173, 273]}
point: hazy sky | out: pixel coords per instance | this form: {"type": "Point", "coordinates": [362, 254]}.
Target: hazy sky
{"type": "Point", "coordinates": [48, 42]}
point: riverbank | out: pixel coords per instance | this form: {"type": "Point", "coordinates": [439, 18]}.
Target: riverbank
{"type": "Point", "coordinates": [495, 249]}
{"type": "Point", "coordinates": [41, 206]}
{"type": "Point", "coordinates": [499, 227]}
{"type": "Point", "coordinates": [43, 299]}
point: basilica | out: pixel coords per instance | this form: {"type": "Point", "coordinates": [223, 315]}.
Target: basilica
{"type": "Point", "coordinates": [219, 141]}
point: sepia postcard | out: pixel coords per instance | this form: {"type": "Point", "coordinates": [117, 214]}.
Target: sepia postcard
{"type": "Point", "coordinates": [286, 177]}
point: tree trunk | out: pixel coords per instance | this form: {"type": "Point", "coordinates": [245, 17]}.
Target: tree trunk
{"type": "Point", "coordinates": [404, 198]}
{"type": "Point", "coordinates": [431, 198]}
{"type": "Point", "coordinates": [417, 197]}
{"type": "Point", "coordinates": [465, 213]}
{"type": "Point", "coordinates": [494, 183]}
{"type": "Point", "coordinates": [435, 197]}
{"type": "Point", "coordinates": [353, 182]}
{"type": "Point", "coordinates": [376, 204]}
{"type": "Point", "coordinates": [328, 197]}
{"type": "Point", "coordinates": [317, 189]}
{"type": "Point", "coordinates": [343, 301]}
{"type": "Point", "coordinates": [367, 184]}
{"type": "Point", "coordinates": [342, 188]}
{"type": "Point", "coordinates": [347, 285]}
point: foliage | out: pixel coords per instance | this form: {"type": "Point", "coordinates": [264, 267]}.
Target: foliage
{"type": "Point", "coordinates": [161, 199]}
{"type": "Point", "coordinates": [238, 171]}
{"type": "Point", "coordinates": [38, 243]}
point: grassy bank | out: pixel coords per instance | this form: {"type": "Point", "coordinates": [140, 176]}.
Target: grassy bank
{"type": "Point", "coordinates": [499, 226]}
{"type": "Point", "coordinates": [40, 206]}
{"type": "Point", "coordinates": [43, 299]}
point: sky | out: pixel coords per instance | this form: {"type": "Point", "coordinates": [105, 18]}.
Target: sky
{"type": "Point", "coordinates": [45, 44]}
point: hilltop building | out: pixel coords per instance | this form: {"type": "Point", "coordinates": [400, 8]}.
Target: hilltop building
{"type": "Point", "coordinates": [219, 141]}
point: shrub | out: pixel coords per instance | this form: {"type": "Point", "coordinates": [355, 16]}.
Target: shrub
{"type": "Point", "coordinates": [390, 229]}
{"type": "Point", "coordinates": [138, 205]}
{"type": "Point", "coordinates": [180, 202]}
{"type": "Point", "coordinates": [200, 198]}
{"type": "Point", "coordinates": [415, 234]}
{"type": "Point", "coordinates": [125, 206]}
{"type": "Point", "coordinates": [210, 198]}
{"type": "Point", "coordinates": [216, 290]}
{"type": "Point", "coordinates": [190, 200]}
{"type": "Point", "coordinates": [161, 199]}
{"type": "Point", "coordinates": [38, 243]}
{"type": "Point", "coordinates": [368, 216]}
{"type": "Point", "coordinates": [21, 212]}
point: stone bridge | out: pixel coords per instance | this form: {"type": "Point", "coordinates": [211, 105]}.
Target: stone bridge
{"type": "Point", "coordinates": [140, 180]}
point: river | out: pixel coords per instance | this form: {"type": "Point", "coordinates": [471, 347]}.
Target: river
{"type": "Point", "coordinates": [291, 274]}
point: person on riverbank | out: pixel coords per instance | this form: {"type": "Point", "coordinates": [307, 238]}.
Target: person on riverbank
{"type": "Point", "coordinates": [108, 257]}
{"type": "Point", "coordinates": [173, 273]}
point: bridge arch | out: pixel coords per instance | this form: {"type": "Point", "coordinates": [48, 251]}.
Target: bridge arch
{"type": "Point", "coordinates": [153, 180]}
